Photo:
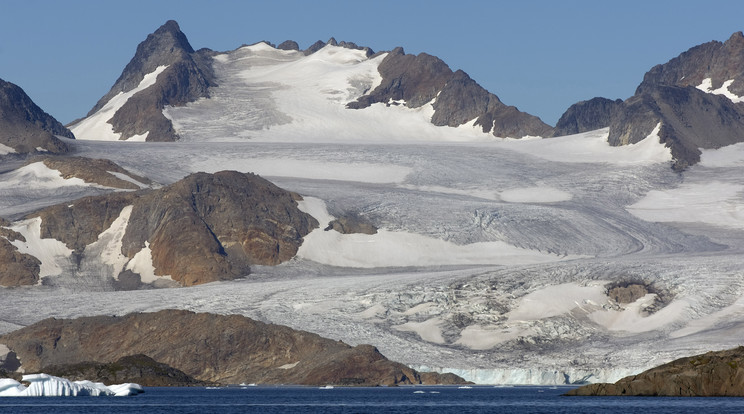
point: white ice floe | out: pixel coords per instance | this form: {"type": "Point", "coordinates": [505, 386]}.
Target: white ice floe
{"type": "Point", "coordinates": [97, 126]}
{"type": "Point", "coordinates": [44, 385]}
{"type": "Point", "coordinates": [397, 248]}
{"type": "Point", "coordinates": [707, 86]}
{"type": "Point", "coordinates": [52, 253]}
{"type": "Point", "coordinates": [714, 202]}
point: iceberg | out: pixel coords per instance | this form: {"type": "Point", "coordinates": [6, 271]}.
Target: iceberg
{"type": "Point", "coordinates": [44, 385]}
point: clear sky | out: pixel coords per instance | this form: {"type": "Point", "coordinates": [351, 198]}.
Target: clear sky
{"type": "Point", "coordinates": [539, 55]}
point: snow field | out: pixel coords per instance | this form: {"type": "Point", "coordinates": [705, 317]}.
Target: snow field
{"type": "Point", "coordinates": [707, 86]}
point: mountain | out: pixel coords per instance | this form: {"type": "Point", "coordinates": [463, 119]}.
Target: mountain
{"type": "Point", "coordinates": [713, 374]}
{"type": "Point", "coordinates": [26, 128]}
{"type": "Point", "coordinates": [165, 70]}
{"type": "Point", "coordinates": [226, 349]}
{"type": "Point", "coordinates": [168, 87]}
{"type": "Point", "coordinates": [695, 99]}
{"type": "Point", "coordinates": [203, 228]}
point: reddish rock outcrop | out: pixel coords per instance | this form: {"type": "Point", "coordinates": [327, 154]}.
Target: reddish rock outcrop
{"type": "Point", "coordinates": [714, 374]}
{"type": "Point", "coordinates": [209, 347]}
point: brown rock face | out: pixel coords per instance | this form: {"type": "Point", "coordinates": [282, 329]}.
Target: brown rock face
{"type": "Point", "coordinates": [210, 227]}
{"type": "Point", "coordinates": [204, 228]}
{"type": "Point", "coordinates": [209, 347]}
{"type": "Point", "coordinates": [139, 369]}
{"type": "Point", "coordinates": [714, 374]}
{"type": "Point", "coordinates": [16, 268]}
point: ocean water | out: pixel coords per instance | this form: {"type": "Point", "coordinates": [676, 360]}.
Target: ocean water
{"type": "Point", "coordinates": [266, 400]}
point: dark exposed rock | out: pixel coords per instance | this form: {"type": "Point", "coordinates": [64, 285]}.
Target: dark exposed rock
{"type": "Point", "coordinates": [715, 60]}
{"type": "Point", "coordinates": [203, 228]}
{"type": "Point", "coordinates": [419, 79]}
{"type": "Point", "coordinates": [690, 118]}
{"type": "Point", "coordinates": [98, 171]}
{"type": "Point", "coordinates": [586, 116]}
{"type": "Point", "coordinates": [351, 224]}
{"type": "Point", "coordinates": [188, 77]}
{"type": "Point", "coordinates": [16, 268]}
{"type": "Point", "coordinates": [314, 48]}
{"type": "Point", "coordinates": [209, 347]}
{"type": "Point", "coordinates": [288, 45]}
{"type": "Point", "coordinates": [139, 369]}
{"type": "Point", "coordinates": [24, 126]}
{"type": "Point", "coordinates": [714, 374]}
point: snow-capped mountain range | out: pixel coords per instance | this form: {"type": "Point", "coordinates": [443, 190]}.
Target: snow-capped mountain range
{"type": "Point", "coordinates": [529, 260]}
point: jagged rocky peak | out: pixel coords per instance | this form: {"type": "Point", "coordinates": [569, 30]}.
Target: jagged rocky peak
{"type": "Point", "coordinates": [707, 66]}
{"type": "Point", "coordinates": [26, 128]}
{"type": "Point", "coordinates": [588, 115]}
{"type": "Point", "coordinates": [165, 70]}
{"type": "Point", "coordinates": [332, 41]}
{"type": "Point", "coordinates": [288, 45]}
{"type": "Point", "coordinates": [420, 79]}
{"type": "Point", "coordinates": [694, 99]}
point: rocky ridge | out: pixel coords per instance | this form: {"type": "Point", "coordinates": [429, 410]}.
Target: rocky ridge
{"type": "Point", "coordinates": [713, 374]}
{"type": "Point", "coordinates": [457, 99]}
{"type": "Point", "coordinates": [216, 348]}
{"type": "Point", "coordinates": [25, 127]}
{"type": "Point", "coordinates": [673, 97]}
{"type": "Point", "coordinates": [98, 171]}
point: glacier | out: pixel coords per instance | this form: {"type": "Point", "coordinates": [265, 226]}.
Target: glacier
{"type": "Point", "coordinates": [495, 256]}
{"type": "Point", "coordinates": [44, 385]}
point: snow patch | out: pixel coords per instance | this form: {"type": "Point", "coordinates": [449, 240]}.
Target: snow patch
{"type": "Point", "coordinates": [97, 126]}
{"type": "Point", "coordinates": [428, 330]}
{"type": "Point", "coordinates": [558, 300]}
{"type": "Point", "coordinates": [592, 147]}
{"type": "Point", "coordinates": [390, 249]}
{"type": "Point", "coordinates": [289, 366]}
{"type": "Point", "coordinates": [44, 385]}
{"type": "Point", "coordinates": [141, 263]}
{"type": "Point", "coordinates": [109, 243]}
{"type": "Point", "coordinates": [38, 176]}
{"type": "Point", "coordinates": [51, 252]}
{"type": "Point", "coordinates": [707, 86]}
{"type": "Point", "coordinates": [5, 150]}
{"type": "Point", "coordinates": [715, 202]}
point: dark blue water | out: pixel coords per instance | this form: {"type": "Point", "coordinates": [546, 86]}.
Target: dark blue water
{"type": "Point", "coordinates": [407, 400]}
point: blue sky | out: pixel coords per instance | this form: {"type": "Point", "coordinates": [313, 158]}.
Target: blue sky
{"type": "Point", "coordinates": [540, 56]}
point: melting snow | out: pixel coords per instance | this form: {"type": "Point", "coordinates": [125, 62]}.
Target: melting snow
{"type": "Point", "coordinates": [5, 150]}
{"type": "Point", "coordinates": [97, 126]}
{"type": "Point", "coordinates": [52, 253]}
{"type": "Point", "coordinates": [707, 86]}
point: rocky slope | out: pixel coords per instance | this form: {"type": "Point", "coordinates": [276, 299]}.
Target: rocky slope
{"type": "Point", "coordinates": [97, 171]}
{"type": "Point", "coordinates": [203, 228]}
{"type": "Point", "coordinates": [209, 347]}
{"type": "Point", "coordinates": [139, 369]}
{"type": "Point", "coordinates": [24, 126]}
{"type": "Point", "coordinates": [457, 99]}
{"type": "Point", "coordinates": [694, 98]}
{"type": "Point", "coordinates": [186, 77]}
{"type": "Point", "coordinates": [714, 374]}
